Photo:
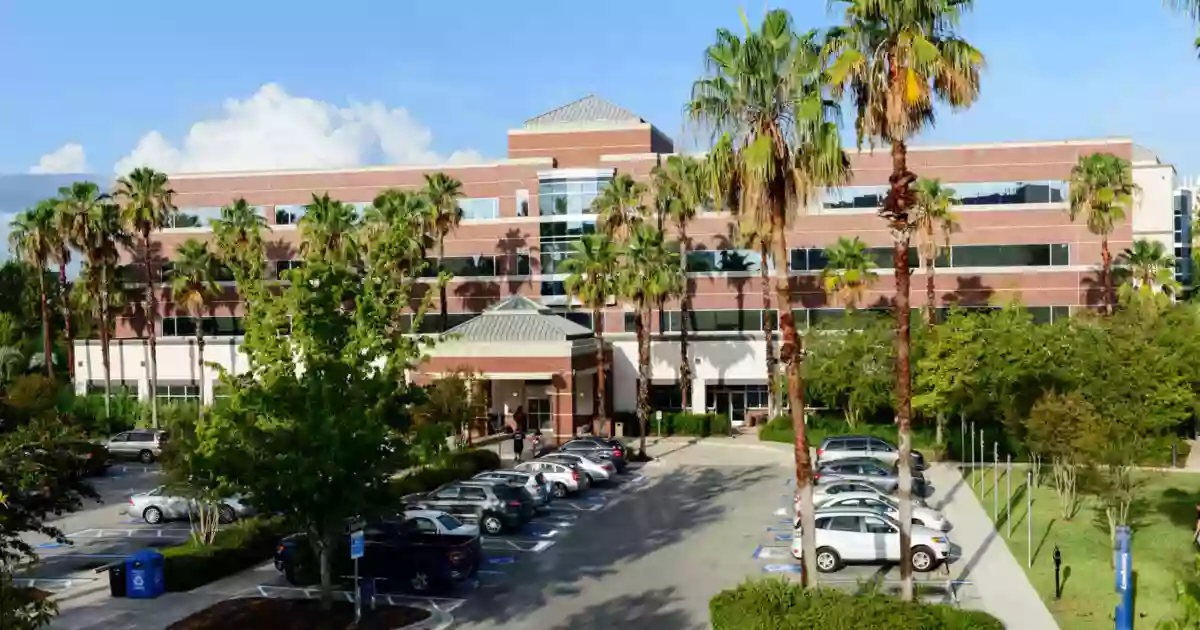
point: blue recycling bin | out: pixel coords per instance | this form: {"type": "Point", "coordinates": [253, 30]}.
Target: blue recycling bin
{"type": "Point", "coordinates": [144, 575]}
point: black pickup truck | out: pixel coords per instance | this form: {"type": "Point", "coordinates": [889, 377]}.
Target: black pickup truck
{"type": "Point", "coordinates": [422, 550]}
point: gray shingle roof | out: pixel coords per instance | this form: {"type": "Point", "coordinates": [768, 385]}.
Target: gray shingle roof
{"type": "Point", "coordinates": [517, 319]}
{"type": "Point", "coordinates": [589, 109]}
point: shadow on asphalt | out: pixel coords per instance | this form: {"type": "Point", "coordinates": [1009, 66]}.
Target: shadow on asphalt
{"type": "Point", "coordinates": [666, 512]}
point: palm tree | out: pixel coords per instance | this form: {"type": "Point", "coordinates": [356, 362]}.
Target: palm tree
{"type": "Point", "coordinates": [99, 235]}
{"type": "Point", "coordinates": [649, 271]}
{"type": "Point", "coordinates": [31, 238]}
{"type": "Point", "coordinates": [397, 213]}
{"type": "Point", "coordinates": [682, 185]}
{"type": "Point", "coordinates": [74, 201]}
{"type": "Point", "coordinates": [193, 285]}
{"type": "Point", "coordinates": [767, 91]}
{"type": "Point", "coordinates": [935, 222]}
{"type": "Point", "coordinates": [849, 272]}
{"type": "Point", "coordinates": [1151, 268]}
{"type": "Point", "coordinates": [619, 206]}
{"type": "Point", "coordinates": [147, 205]}
{"type": "Point", "coordinates": [328, 230]}
{"type": "Point", "coordinates": [443, 193]}
{"type": "Point", "coordinates": [591, 278]}
{"type": "Point", "coordinates": [1102, 189]}
{"type": "Point", "coordinates": [894, 59]}
{"type": "Point", "coordinates": [240, 246]}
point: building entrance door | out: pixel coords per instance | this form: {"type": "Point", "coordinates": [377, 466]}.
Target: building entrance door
{"type": "Point", "coordinates": [737, 408]}
{"type": "Point", "coordinates": [539, 414]}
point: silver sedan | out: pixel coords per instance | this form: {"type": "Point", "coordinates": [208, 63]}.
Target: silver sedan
{"type": "Point", "coordinates": [595, 468]}
{"type": "Point", "coordinates": [160, 505]}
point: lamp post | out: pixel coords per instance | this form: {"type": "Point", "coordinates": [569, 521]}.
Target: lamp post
{"type": "Point", "coordinates": [1057, 572]}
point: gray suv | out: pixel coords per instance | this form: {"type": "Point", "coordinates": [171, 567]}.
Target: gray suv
{"type": "Point", "coordinates": [495, 506]}
{"type": "Point", "coordinates": [144, 445]}
{"type": "Point", "coordinates": [867, 470]}
{"type": "Point", "coordinates": [850, 446]}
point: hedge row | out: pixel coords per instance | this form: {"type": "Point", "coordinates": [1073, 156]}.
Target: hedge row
{"type": "Point", "coordinates": [676, 423]}
{"type": "Point", "coordinates": [243, 545]}
{"type": "Point", "coordinates": [455, 467]}
{"type": "Point", "coordinates": [776, 604]}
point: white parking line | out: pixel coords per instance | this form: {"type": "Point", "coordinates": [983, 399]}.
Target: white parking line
{"type": "Point", "coordinates": [576, 507]}
{"type": "Point", "coordinates": [444, 604]}
{"type": "Point", "coordinates": [507, 544]}
{"type": "Point", "coordinates": [131, 532]}
{"type": "Point", "coordinates": [51, 585]}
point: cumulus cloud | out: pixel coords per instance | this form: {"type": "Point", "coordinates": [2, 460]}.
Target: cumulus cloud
{"type": "Point", "coordinates": [69, 158]}
{"type": "Point", "coordinates": [274, 130]}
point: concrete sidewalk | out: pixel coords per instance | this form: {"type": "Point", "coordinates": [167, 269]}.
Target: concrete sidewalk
{"type": "Point", "coordinates": [995, 575]}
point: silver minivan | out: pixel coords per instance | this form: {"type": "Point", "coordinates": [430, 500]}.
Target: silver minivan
{"type": "Point", "coordinates": [853, 446]}
{"type": "Point", "coordinates": [144, 445]}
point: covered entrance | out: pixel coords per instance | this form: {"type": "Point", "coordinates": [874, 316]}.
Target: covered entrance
{"type": "Point", "coordinates": [735, 401]}
{"type": "Point", "coordinates": [533, 363]}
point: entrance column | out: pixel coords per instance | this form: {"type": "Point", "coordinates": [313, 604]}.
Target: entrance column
{"type": "Point", "coordinates": [563, 407]}
{"type": "Point", "coordinates": [699, 396]}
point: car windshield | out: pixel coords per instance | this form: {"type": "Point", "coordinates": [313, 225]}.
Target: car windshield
{"type": "Point", "coordinates": [449, 522]}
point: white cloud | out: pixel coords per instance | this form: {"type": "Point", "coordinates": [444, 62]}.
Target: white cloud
{"type": "Point", "coordinates": [69, 158]}
{"type": "Point", "coordinates": [274, 130]}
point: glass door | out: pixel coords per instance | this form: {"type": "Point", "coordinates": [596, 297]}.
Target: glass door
{"type": "Point", "coordinates": [539, 414]}
{"type": "Point", "coordinates": [737, 408]}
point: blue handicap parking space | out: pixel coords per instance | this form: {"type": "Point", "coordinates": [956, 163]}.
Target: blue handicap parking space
{"type": "Point", "coordinates": [501, 560]}
{"type": "Point", "coordinates": [783, 537]}
{"type": "Point", "coordinates": [782, 568]}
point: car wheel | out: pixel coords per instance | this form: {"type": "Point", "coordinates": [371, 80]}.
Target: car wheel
{"type": "Point", "coordinates": [420, 581]}
{"type": "Point", "coordinates": [152, 515]}
{"type": "Point", "coordinates": [492, 525]}
{"type": "Point", "coordinates": [560, 490]}
{"type": "Point", "coordinates": [226, 515]}
{"type": "Point", "coordinates": [146, 457]}
{"type": "Point", "coordinates": [828, 560]}
{"type": "Point", "coordinates": [923, 559]}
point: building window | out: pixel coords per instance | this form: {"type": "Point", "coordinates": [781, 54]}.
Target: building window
{"type": "Point", "coordinates": [479, 208]}
{"type": "Point", "coordinates": [179, 326]}
{"type": "Point", "coordinates": [555, 238]}
{"type": "Point", "coordinates": [288, 214]}
{"type": "Point", "coordinates": [282, 267]}
{"type": "Point", "coordinates": [717, 320]}
{"type": "Point", "coordinates": [583, 318]}
{"type": "Point", "coordinates": [522, 202]}
{"type": "Point", "coordinates": [177, 392]}
{"type": "Point", "coordinates": [119, 388]}
{"type": "Point", "coordinates": [522, 266]}
{"type": "Point", "coordinates": [666, 397]}
{"type": "Point", "coordinates": [630, 321]}
{"type": "Point", "coordinates": [557, 197]}
{"type": "Point", "coordinates": [724, 260]}
{"type": "Point", "coordinates": [968, 194]}
{"type": "Point", "coordinates": [462, 266]}
{"type": "Point", "coordinates": [431, 322]}
{"type": "Point", "coordinates": [1009, 255]}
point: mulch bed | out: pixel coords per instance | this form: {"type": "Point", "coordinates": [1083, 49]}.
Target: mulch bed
{"type": "Point", "coordinates": [261, 613]}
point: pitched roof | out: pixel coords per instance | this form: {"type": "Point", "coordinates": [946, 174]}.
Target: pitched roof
{"type": "Point", "coordinates": [516, 319]}
{"type": "Point", "coordinates": [587, 110]}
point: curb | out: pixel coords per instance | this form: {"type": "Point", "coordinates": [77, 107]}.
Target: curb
{"type": "Point", "coordinates": [437, 619]}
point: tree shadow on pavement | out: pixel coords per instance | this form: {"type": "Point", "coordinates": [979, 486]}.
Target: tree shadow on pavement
{"type": "Point", "coordinates": [644, 611]}
{"type": "Point", "coordinates": [670, 509]}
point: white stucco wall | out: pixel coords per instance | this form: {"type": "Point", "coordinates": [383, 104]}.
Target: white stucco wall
{"type": "Point", "coordinates": [733, 361]}
{"type": "Point", "coordinates": [177, 363]}
{"type": "Point", "coordinates": [1154, 208]}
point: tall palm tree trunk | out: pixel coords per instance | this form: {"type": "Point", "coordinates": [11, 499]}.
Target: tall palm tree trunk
{"type": "Point", "coordinates": [643, 395]}
{"type": "Point", "coordinates": [46, 349]}
{"type": "Point", "coordinates": [598, 399]}
{"type": "Point", "coordinates": [769, 335]}
{"type": "Point", "coordinates": [930, 291]}
{"type": "Point", "coordinates": [200, 367]}
{"type": "Point", "coordinates": [791, 353]}
{"type": "Point", "coordinates": [897, 205]}
{"type": "Point", "coordinates": [441, 285]}
{"type": "Point", "coordinates": [66, 315]}
{"type": "Point", "coordinates": [152, 327]}
{"type": "Point", "coordinates": [1106, 284]}
{"type": "Point", "coordinates": [685, 307]}
{"type": "Point", "coordinates": [104, 339]}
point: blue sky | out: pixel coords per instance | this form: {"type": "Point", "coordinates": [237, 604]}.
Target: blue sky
{"type": "Point", "coordinates": [413, 81]}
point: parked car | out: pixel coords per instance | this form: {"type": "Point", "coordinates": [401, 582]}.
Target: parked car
{"type": "Point", "coordinates": [423, 549]}
{"type": "Point", "coordinates": [863, 536]}
{"type": "Point", "coordinates": [495, 507]}
{"type": "Point", "coordinates": [535, 483]}
{"type": "Point", "coordinates": [142, 445]}
{"type": "Point", "coordinates": [79, 458]}
{"type": "Point", "coordinates": [868, 470]}
{"type": "Point", "coordinates": [160, 505]}
{"type": "Point", "coordinates": [924, 516]}
{"type": "Point", "coordinates": [564, 479]}
{"type": "Point", "coordinates": [605, 448]}
{"type": "Point", "coordinates": [857, 446]}
{"type": "Point", "coordinates": [834, 487]}
{"type": "Point", "coordinates": [596, 469]}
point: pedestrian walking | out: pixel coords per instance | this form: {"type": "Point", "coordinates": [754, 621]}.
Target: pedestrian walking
{"type": "Point", "coordinates": [518, 443]}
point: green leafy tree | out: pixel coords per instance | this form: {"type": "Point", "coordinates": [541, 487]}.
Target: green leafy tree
{"type": "Point", "coordinates": [935, 223]}
{"type": "Point", "coordinates": [147, 205]}
{"type": "Point", "coordinates": [592, 279]}
{"type": "Point", "coordinates": [193, 287]}
{"type": "Point", "coordinates": [1151, 270]}
{"type": "Point", "coordinates": [31, 238]}
{"type": "Point", "coordinates": [620, 207]}
{"type": "Point", "coordinates": [1055, 429]}
{"type": "Point", "coordinates": [73, 203]}
{"type": "Point", "coordinates": [329, 230]}
{"type": "Point", "coordinates": [444, 193]}
{"type": "Point", "coordinates": [850, 365]}
{"type": "Point", "coordinates": [894, 59]}
{"type": "Point", "coordinates": [767, 92]}
{"type": "Point", "coordinates": [1102, 189]}
{"type": "Point", "coordinates": [100, 234]}
{"type": "Point", "coordinates": [395, 212]}
{"type": "Point", "coordinates": [849, 272]}
{"type": "Point", "coordinates": [649, 271]}
{"type": "Point", "coordinates": [239, 241]}
{"type": "Point", "coordinates": [450, 405]}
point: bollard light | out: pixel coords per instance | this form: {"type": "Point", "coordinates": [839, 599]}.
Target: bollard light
{"type": "Point", "coordinates": [1057, 571]}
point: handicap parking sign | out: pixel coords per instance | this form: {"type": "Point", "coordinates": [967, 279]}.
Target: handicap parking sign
{"type": "Point", "coordinates": [357, 545]}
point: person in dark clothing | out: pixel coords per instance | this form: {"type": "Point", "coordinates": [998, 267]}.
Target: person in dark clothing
{"type": "Point", "coordinates": [518, 434]}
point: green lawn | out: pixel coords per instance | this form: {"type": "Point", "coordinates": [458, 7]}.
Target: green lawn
{"type": "Point", "coordinates": [1163, 521]}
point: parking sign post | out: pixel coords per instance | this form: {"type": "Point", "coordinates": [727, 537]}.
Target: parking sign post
{"type": "Point", "coordinates": [357, 546]}
{"type": "Point", "coordinates": [972, 453]}
{"type": "Point", "coordinates": [1029, 517]}
{"type": "Point", "coordinates": [995, 481]}
{"type": "Point", "coordinates": [1008, 482]}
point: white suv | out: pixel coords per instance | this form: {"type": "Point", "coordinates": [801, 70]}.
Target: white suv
{"type": "Point", "coordinates": [563, 479]}
{"type": "Point", "coordinates": [921, 515]}
{"type": "Point", "coordinates": [858, 535]}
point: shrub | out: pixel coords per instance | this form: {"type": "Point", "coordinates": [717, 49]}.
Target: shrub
{"type": "Point", "coordinates": [236, 548]}
{"type": "Point", "coordinates": [776, 604]}
{"type": "Point", "coordinates": [701, 424]}
{"type": "Point", "coordinates": [454, 467]}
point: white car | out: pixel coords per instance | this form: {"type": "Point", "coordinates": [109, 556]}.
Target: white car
{"type": "Point", "coordinates": [596, 469]}
{"type": "Point", "coordinates": [823, 491]}
{"type": "Point", "coordinates": [159, 505]}
{"type": "Point", "coordinates": [563, 479]}
{"type": "Point", "coordinates": [863, 536]}
{"type": "Point", "coordinates": [535, 483]}
{"type": "Point", "coordinates": [921, 515]}
{"type": "Point", "coordinates": [435, 522]}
